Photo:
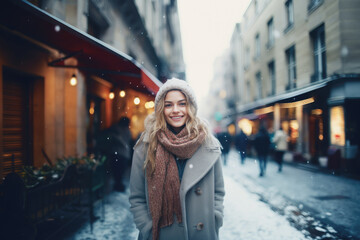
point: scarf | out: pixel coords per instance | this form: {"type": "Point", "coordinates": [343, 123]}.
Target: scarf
{"type": "Point", "coordinates": [164, 183]}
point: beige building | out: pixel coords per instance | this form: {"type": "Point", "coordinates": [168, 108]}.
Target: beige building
{"type": "Point", "coordinates": [117, 57]}
{"type": "Point", "coordinates": [297, 65]}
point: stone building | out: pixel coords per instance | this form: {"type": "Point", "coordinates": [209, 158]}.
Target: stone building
{"type": "Point", "coordinates": [71, 68]}
{"type": "Point", "coordinates": [297, 65]}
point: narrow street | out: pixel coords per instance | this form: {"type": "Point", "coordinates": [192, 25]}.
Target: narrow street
{"type": "Point", "coordinates": [294, 204]}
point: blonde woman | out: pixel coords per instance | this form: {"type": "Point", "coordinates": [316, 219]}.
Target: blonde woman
{"type": "Point", "coordinates": [176, 182]}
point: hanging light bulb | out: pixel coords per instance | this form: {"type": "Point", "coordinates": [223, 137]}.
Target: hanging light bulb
{"type": "Point", "coordinates": [73, 80]}
{"type": "Point", "coordinates": [111, 94]}
{"type": "Point", "coordinates": [122, 93]}
{"type": "Point", "coordinates": [137, 101]}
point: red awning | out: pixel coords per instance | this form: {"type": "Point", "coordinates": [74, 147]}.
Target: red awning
{"type": "Point", "coordinates": [93, 55]}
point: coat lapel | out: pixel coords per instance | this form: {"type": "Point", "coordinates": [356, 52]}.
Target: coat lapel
{"type": "Point", "coordinates": [197, 166]}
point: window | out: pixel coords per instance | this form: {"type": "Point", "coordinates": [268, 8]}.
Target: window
{"type": "Point", "coordinates": [257, 46]}
{"type": "Point", "coordinates": [289, 14]}
{"type": "Point", "coordinates": [314, 4]}
{"type": "Point", "coordinates": [318, 40]}
{"type": "Point", "coordinates": [272, 78]}
{"type": "Point", "coordinates": [259, 85]}
{"type": "Point", "coordinates": [271, 39]}
{"type": "Point", "coordinates": [248, 91]}
{"type": "Point", "coordinates": [291, 64]}
{"type": "Point", "coordinates": [247, 58]}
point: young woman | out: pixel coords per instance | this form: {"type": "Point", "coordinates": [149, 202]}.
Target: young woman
{"type": "Point", "coordinates": [176, 182]}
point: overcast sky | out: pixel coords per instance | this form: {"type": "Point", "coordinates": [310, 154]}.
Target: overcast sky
{"type": "Point", "coordinates": [206, 29]}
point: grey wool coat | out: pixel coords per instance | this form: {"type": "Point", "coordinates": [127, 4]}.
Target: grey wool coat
{"type": "Point", "coordinates": [201, 195]}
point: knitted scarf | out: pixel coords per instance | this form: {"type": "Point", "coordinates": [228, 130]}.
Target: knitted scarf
{"type": "Point", "coordinates": [164, 183]}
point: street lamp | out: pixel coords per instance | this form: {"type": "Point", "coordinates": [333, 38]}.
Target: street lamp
{"type": "Point", "coordinates": [73, 80]}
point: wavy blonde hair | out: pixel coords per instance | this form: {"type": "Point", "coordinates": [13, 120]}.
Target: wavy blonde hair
{"type": "Point", "coordinates": [156, 122]}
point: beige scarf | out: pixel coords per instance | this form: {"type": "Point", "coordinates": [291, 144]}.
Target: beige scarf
{"type": "Point", "coordinates": [164, 183]}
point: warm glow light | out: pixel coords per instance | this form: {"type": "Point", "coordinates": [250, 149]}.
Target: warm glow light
{"type": "Point", "coordinates": [122, 93]}
{"type": "Point", "coordinates": [264, 110]}
{"type": "Point", "coordinates": [298, 103]}
{"type": "Point", "coordinates": [92, 108]}
{"type": "Point", "coordinates": [337, 126]}
{"type": "Point", "coordinates": [222, 94]}
{"type": "Point", "coordinates": [137, 101]}
{"type": "Point", "coordinates": [149, 104]}
{"type": "Point", "coordinates": [111, 95]}
{"type": "Point", "coordinates": [73, 80]}
{"type": "Point", "coordinates": [231, 129]}
{"type": "Point", "coordinates": [246, 125]}
{"type": "Point", "coordinates": [316, 111]}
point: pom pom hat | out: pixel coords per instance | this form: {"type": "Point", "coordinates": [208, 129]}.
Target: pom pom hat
{"type": "Point", "coordinates": [176, 84]}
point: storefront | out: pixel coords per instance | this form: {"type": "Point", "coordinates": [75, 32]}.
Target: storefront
{"type": "Point", "coordinates": [59, 87]}
{"type": "Point", "coordinates": [315, 118]}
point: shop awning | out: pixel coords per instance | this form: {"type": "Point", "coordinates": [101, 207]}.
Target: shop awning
{"type": "Point", "coordinates": [93, 56]}
{"type": "Point", "coordinates": [285, 97]}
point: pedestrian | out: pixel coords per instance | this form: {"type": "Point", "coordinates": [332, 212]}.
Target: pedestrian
{"type": "Point", "coordinates": [225, 140]}
{"type": "Point", "coordinates": [280, 140]}
{"type": "Point", "coordinates": [176, 182]}
{"type": "Point", "coordinates": [241, 141]}
{"type": "Point", "coordinates": [262, 145]}
{"type": "Point", "coordinates": [116, 144]}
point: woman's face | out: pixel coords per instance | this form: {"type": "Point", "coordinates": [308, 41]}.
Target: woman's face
{"type": "Point", "coordinates": [175, 109]}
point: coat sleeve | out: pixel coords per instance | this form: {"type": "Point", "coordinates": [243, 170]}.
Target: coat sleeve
{"type": "Point", "coordinates": [138, 199]}
{"type": "Point", "coordinates": [219, 194]}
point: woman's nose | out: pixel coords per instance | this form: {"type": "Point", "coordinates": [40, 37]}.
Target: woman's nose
{"type": "Point", "coordinates": [176, 108]}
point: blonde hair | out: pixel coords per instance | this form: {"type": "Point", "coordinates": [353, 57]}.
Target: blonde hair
{"type": "Point", "coordinates": [156, 122]}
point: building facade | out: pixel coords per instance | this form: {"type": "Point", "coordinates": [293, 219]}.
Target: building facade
{"type": "Point", "coordinates": [70, 69]}
{"type": "Point", "coordinates": [297, 65]}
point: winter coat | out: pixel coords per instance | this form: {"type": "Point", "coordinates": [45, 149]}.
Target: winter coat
{"type": "Point", "coordinates": [280, 139]}
{"type": "Point", "coordinates": [262, 142]}
{"type": "Point", "coordinates": [241, 141]}
{"type": "Point", "coordinates": [201, 195]}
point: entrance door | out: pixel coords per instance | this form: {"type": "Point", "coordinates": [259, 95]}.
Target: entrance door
{"type": "Point", "coordinates": [17, 134]}
{"type": "Point", "coordinates": [315, 136]}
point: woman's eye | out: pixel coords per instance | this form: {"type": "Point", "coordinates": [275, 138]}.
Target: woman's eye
{"type": "Point", "coordinates": [167, 105]}
{"type": "Point", "coordinates": [183, 104]}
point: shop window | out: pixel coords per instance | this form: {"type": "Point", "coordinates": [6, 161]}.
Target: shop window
{"type": "Point", "coordinates": [337, 126]}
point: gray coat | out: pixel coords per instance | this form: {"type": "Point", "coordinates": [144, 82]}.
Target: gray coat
{"type": "Point", "coordinates": [201, 196]}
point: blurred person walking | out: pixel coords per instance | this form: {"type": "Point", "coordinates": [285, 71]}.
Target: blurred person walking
{"type": "Point", "coordinates": [241, 142]}
{"type": "Point", "coordinates": [176, 183]}
{"type": "Point", "coordinates": [280, 140]}
{"type": "Point", "coordinates": [225, 139]}
{"type": "Point", "coordinates": [116, 143]}
{"type": "Point", "coordinates": [262, 145]}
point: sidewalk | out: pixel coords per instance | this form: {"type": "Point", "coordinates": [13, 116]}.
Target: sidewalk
{"type": "Point", "coordinates": [295, 204]}
{"type": "Point", "coordinates": [331, 200]}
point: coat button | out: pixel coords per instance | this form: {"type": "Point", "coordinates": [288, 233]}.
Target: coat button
{"type": "Point", "coordinates": [199, 226]}
{"type": "Point", "coordinates": [198, 191]}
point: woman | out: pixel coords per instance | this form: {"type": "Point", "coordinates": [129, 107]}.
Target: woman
{"type": "Point", "coordinates": [176, 182]}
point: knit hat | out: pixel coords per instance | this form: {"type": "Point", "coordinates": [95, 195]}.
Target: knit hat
{"type": "Point", "coordinates": [176, 84]}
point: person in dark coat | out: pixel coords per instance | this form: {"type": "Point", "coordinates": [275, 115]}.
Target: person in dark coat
{"type": "Point", "coordinates": [241, 141]}
{"type": "Point", "coordinates": [225, 140]}
{"type": "Point", "coordinates": [116, 144]}
{"type": "Point", "coordinates": [262, 145]}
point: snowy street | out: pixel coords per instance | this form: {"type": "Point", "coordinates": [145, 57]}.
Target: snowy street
{"type": "Point", "coordinates": [294, 204]}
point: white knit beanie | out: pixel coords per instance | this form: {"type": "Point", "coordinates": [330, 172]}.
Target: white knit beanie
{"type": "Point", "coordinates": [176, 84]}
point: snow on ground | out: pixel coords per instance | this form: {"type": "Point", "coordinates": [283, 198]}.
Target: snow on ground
{"type": "Point", "coordinates": [246, 217]}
